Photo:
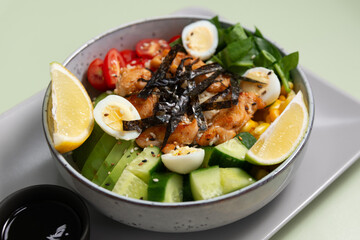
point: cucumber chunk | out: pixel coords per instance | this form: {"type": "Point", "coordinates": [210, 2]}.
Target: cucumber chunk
{"type": "Point", "coordinates": [131, 186]}
{"type": "Point", "coordinates": [130, 154]}
{"type": "Point", "coordinates": [205, 183]}
{"type": "Point", "coordinates": [82, 153]}
{"type": "Point", "coordinates": [109, 163]}
{"type": "Point", "coordinates": [246, 139]}
{"type": "Point", "coordinates": [165, 187]}
{"type": "Point", "coordinates": [234, 178]}
{"type": "Point", "coordinates": [229, 154]}
{"type": "Point", "coordinates": [98, 155]}
{"type": "Point", "coordinates": [147, 162]}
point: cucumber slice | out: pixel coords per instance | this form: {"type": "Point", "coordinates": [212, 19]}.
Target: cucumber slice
{"type": "Point", "coordinates": [246, 139]}
{"type": "Point", "coordinates": [234, 178]}
{"type": "Point", "coordinates": [165, 187]}
{"type": "Point", "coordinates": [208, 151]}
{"type": "Point", "coordinates": [98, 155]}
{"type": "Point", "coordinates": [130, 185]}
{"type": "Point", "coordinates": [82, 153]}
{"type": "Point", "coordinates": [205, 183]}
{"type": "Point", "coordinates": [229, 154]}
{"type": "Point", "coordinates": [130, 154]}
{"type": "Point", "coordinates": [109, 163]}
{"type": "Point", "coordinates": [147, 162]}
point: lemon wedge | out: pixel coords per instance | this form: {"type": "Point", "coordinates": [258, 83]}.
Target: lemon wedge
{"type": "Point", "coordinates": [70, 112]}
{"type": "Point", "coordinates": [283, 136]}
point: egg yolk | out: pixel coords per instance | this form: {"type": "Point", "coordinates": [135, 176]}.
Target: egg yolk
{"type": "Point", "coordinates": [199, 39]}
{"type": "Point", "coordinates": [113, 116]}
{"type": "Point", "coordinates": [259, 76]}
{"type": "Point", "coordinates": [256, 87]}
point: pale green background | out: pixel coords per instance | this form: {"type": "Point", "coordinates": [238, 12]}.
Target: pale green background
{"type": "Point", "coordinates": [326, 33]}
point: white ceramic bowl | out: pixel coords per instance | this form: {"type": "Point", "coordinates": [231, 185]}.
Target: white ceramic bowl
{"type": "Point", "coordinates": [169, 217]}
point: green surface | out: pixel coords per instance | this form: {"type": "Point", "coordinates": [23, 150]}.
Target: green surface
{"type": "Point", "coordinates": [326, 33]}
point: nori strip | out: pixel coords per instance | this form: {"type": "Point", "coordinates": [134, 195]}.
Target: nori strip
{"type": "Point", "coordinates": [207, 106]}
{"type": "Point", "coordinates": [161, 72]}
{"type": "Point", "coordinates": [202, 86]}
{"type": "Point", "coordinates": [246, 79]}
{"type": "Point", "coordinates": [235, 90]}
{"type": "Point", "coordinates": [218, 95]}
{"type": "Point", "coordinates": [208, 68]}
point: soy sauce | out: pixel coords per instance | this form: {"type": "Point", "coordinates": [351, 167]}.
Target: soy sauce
{"type": "Point", "coordinates": [50, 220]}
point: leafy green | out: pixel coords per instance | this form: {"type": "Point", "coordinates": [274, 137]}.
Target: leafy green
{"type": "Point", "coordinates": [240, 49]}
{"type": "Point", "coordinates": [234, 33]}
{"type": "Point", "coordinates": [177, 41]}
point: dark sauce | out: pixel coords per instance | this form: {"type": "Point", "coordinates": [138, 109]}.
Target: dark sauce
{"type": "Point", "coordinates": [42, 220]}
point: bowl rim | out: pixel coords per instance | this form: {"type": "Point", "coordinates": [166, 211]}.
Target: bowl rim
{"type": "Point", "coordinates": [269, 177]}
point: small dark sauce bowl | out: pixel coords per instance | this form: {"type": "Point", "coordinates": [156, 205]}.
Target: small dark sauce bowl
{"type": "Point", "coordinates": [51, 200]}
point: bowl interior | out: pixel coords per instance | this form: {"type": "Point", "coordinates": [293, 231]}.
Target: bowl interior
{"type": "Point", "coordinates": [125, 37]}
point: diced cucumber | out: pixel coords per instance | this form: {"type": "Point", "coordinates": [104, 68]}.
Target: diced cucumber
{"type": "Point", "coordinates": [187, 194]}
{"type": "Point", "coordinates": [130, 185]}
{"type": "Point", "coordinates": [208, 151]}
{"type": "Point", "coordinates": [246, 139]}
{"type": "Point", "coordinates": [165, 187]}
{"type": "Point", "coordinates": [98, 155]}
{"type": "Point", "coordinates": [110, 161]}
{"type": "Point", "coordinates": [147, 162]}
{"type": "Point", "coordinates": [234, 178]}
{"type": "Point", "coordinates": [130, 154]}
{"type": "Point", "coordinates": [229, 154]}
{"type": "Point", "coordinates": [80, 154]}
{"type": "Point", "coordinates": [205, 183]}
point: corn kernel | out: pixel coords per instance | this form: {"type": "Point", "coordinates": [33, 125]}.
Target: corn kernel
{"type": "Point", "coordinates": [291, 85]}
{"type": "Point", "coordinates": [260, 129]}
{"type": "Point", "coordinates": [282, 98]}
{"type": "Point", "coordinates": [275, 105]}
{"type": "Point", "coordinates": [274, 114]}
{"type": "Point", "coordinates": [249, 126]}
{"type": "Point", "coordinates": [290, 97]}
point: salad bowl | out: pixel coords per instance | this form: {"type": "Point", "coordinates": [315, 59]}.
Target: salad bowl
{"type": "Point", "coordinates": [169, 217]}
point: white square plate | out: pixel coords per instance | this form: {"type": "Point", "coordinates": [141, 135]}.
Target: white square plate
{"type": "Point", "coordinates": [333, 146]}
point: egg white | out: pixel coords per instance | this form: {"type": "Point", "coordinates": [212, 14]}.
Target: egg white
{"type": "Point", "coordinates": [188, 159]}
{"type": "Point", "coordinates": [128, 111]}
{"type": "Point", "coordinates": [204, 54]}
{"type": "Point", "coordinates": [268, 92]}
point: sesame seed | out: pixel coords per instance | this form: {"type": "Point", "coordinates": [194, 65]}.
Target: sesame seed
{"type": "Point", "coordinates": [155, 179]}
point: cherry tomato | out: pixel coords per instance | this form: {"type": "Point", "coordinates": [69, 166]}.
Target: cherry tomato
{"type": "Point", "coordinates": [128, 55]}
{"type": "Point", "coordinates": [149, 48]}
{"type": "Point", "coordinates": [174, 38]}
{"type": "Point", "coordinates": [113, 62]}
{"type": "Point", "coordinates": [95, 75]}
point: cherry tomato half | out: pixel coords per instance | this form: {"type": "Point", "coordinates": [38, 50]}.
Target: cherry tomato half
{"type": "Point", "coordinates": [149, 48]}
{"type": "Point", "coordinates": [95, 75]}
{"type": "Point", "coordinates": [113, 62]}
{"type": "Point", "coordinates": [128, 55]}
{"type": "Point", "coordinates": [174, 38]}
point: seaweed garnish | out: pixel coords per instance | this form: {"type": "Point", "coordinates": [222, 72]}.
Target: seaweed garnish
{"type": "Point", "coordinates": [178, 94]}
